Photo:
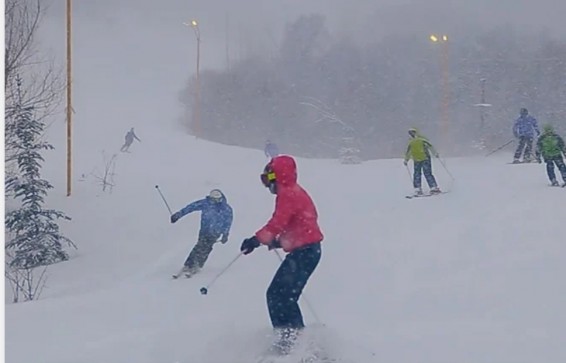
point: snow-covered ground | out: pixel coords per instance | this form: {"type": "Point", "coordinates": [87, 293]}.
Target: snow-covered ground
{"type": "Point", "coordinates": [475, 275]}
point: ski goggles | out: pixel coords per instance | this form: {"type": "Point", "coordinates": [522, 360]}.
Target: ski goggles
{"type": "Point", "coordinates": [267, 177]}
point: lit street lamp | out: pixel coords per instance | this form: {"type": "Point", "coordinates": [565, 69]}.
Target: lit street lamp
{"type": "Point", "coordinates": [196, 109]}
{"type": "Point", "coordinates": [443, 39]}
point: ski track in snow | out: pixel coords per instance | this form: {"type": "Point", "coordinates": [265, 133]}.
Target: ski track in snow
{"type": "Point", "coordinates": [474, 275]}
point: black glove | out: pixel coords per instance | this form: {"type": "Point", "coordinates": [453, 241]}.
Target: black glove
{"type": "Point", "coordinates": [224, 238]}
{"type": "Point", "coordinates": [249, 245]}
{"type": "Point", "coordinates": [175, 217]}
{"type": "Point", "coordinates": [274, 244]}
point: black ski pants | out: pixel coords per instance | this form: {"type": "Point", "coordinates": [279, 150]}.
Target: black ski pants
{"type": "Point", "coordinates": [423, 167]}
{"type": "Point", "coordinates": [200, 252]}
{"type": "Point", "coordinates": [526, 143]}
{"type": "Point", "coordinates": [550, 162]}
{"type": "Point", "coordinates": [287, 285]}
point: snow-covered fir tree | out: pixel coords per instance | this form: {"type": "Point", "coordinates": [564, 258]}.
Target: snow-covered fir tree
{"type": "Point", "coordinates": [32, 232]}
{"type": "Point", "coordinates": [350, 151]}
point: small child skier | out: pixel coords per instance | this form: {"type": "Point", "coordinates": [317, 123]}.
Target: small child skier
{"type": "Point", "coordinates": [551, 146]}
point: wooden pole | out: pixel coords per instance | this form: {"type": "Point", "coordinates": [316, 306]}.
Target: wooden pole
{"type": "Point", "coordinates": [69, 94]}
{"type": "Point", "coordinates": [197, 125]}
{"type": "Point", "coordinates": [446, 92]}
{"type": "Point", "coordinates": [227, 43]}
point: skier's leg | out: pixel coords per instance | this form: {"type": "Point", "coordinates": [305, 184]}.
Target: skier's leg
{"type": "Point", "coordinates": [550, 170]}
{"type": "Point", "coordinates": [207, 245]}
{"type": "Point", "coordinates": [287, 285]}
{"type": "Point", "coordinates": [561, 166]}
{"type": "Point", "coordinates": [418, 167]}
{"type": "Point", "coordinates": [519, 150]}
{"type": "Point", "coordinates": [528, 149]}
{"type": "Point", "coordinates": [427, 170]}
{"type": "Point", "coordinates": [200, 249]}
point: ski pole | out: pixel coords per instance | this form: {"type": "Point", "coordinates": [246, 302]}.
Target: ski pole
{"type": "Point", "coordinates": [204, 290]}
{"type": "Point", "coordinates": [162, 197]}
{"type": "Point", "coordinates": [303, 294]}
{"type": "Point", "coordinates": [499, 148]}
{"type": "Point", "coordinates": [445, 168]}
{"type": "Point", "coordinates": [409, 171]}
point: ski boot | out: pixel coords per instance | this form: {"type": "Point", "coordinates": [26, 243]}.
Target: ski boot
{"type": "Point", "coordinates": [435, 190]}
{"type": "Point", "coordinates": [418, 192]}
{"type": "Point", "coordinates": [554, 183]}
{"type": "Point", "coordinates": [285, 341]}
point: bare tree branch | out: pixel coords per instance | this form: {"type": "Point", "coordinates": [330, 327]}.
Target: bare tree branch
{"type": "Point", "coordinates": [106, 178]}
{"type": "Point", "coordinates": [44, 84]}
{"type": "Point", "coordinates": [325, 113]}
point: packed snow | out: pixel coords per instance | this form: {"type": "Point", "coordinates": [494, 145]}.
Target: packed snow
{"type": "Point", "coordinates": [474, 275]}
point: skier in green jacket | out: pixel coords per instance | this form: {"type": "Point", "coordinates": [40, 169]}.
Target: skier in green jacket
{"type": "Point", "coordinates": [551, 146]}
{"type": "Point", "coordinates": [419, 149]}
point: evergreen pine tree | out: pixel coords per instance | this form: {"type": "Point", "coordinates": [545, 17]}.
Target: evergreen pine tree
{"type": "Point", "coordinates": [33, 236]}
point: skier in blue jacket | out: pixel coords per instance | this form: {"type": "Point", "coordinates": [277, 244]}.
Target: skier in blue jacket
{"type": "Point", "coordinates": [215, 224]}
{"type": "Point", "coordinates": [525, 129]}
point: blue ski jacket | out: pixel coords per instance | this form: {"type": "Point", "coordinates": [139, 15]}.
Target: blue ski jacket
{"type": "Point", "coordinates": [216, 216]}
{"type": "Point", "coordinates": [526, 126]}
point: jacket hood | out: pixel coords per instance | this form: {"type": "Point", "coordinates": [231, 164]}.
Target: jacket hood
{"type": "Point", "coordinates": [416, 131]}
{"type": "Point", "coordinates": [285, 170]}
{"type": "Point", "coordinates": [548, 129]}
{"type": "Point", "coordinates": [223, 200]}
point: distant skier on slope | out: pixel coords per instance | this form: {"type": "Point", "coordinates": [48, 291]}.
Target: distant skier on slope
{"type": "Point", "coordinates": [293, 227]}
{"type": "Point", "coordinates": [129, 139]}
{"type": "Point", "coordinates": [215, 224]}
{"type": "Point", "coordinates": [271, 150]}
{"type": "Point", "coordinates": [419, 149]}
{"type": "Point", "coordinates": [551, 147]}
{"type": "Point", "coordinates": [525, 129]}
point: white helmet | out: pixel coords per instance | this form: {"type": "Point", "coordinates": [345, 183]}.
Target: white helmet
{"type": "Point", "coordinates": [216, 195]}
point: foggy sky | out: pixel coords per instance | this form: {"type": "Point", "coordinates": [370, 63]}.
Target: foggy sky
{"type": "Point", "coordinates": [132, 57]}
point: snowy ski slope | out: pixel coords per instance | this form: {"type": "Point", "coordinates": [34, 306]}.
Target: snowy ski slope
{"type": "Point", "coordinates": [475, 275]}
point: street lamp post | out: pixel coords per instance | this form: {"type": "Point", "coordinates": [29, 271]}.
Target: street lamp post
{"type": "Point", "coordinates": [69, 94]}
{"type": "Point", "coordinates": [483, 106]}
{"type": "Point", "coordinates": [196, 108]}
{"type": "Point", "coordinates": [445, 64]}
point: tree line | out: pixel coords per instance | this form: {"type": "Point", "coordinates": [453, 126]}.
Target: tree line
{"type": "Point", "coordinates": [318, 90]}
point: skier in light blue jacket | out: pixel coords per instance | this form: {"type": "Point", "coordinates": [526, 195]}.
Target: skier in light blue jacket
{"type": "Point", "coordinates": [525, 129]}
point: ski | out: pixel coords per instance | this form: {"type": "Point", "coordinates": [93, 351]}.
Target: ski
{"type": "Point", "coordinates": [411, 196]}
{"type": "Point", "coordinates": [181, 272]}
{"type": "Point", "coordinates": [523, 162]}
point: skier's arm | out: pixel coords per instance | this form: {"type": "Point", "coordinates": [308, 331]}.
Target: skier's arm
{"type": "Point", "coordinates": [561, 144]}
{"type": "Point", "coordinates": [227, 222]}
{"type": "Point", "coordinates": [278, 222]}
{"type": "Point", "coordinates": [516, 129]}
{"type": "Point", "coordinates": [408, 153]}
{"type": "Point", "coordinates": [429, 146]}
{"type": "Point", "coordinates": [539, 143]}
{"type": "Point", "coordinates": [136, 137]}
{"type": "Point", "coordinates": [535, 126]}
{"type": "Point", "coordinates": [194, 206]}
